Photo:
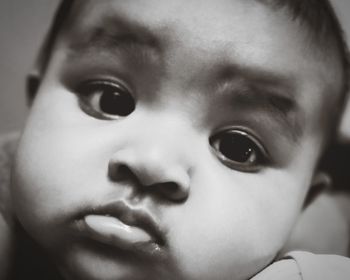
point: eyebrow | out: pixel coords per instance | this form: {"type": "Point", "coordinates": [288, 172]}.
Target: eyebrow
{"type": "Point", "coordinates": [268, 91]}
{"type": "Point", "coordinates": [116, 33]}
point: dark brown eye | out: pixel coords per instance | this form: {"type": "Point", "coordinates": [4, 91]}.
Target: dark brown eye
{"type": "Point", "coordinates": [238, 150]}
{"type": "Point", "coordinates": [106, 100]}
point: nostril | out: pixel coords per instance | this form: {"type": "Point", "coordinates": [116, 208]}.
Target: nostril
{"type": "Point", "coordinates": [120, 172]}
{"type": "Point", "coordinates": [122, 169]}
{"type": "Point", "coordinates": [171, 190]}
{"type": "Point", "coordinates": [170, 187]}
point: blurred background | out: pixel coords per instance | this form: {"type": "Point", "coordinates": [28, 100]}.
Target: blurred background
{"type": "Point", "coordinates": [22, 27]}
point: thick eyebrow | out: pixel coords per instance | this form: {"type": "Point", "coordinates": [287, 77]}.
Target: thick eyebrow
{"type": "Point", "coordinates": [262, 90]}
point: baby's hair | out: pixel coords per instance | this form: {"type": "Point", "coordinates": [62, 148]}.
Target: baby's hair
{"type": "Point", "coordinates": [317, 16]}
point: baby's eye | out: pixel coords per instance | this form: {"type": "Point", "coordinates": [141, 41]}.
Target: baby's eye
{"type": "Point", "coordinates": [106, 100]}
{"type": "Point", "coordinates": [238, 150]}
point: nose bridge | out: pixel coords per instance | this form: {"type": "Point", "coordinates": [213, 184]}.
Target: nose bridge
{"type": "Point", "coordinates": [164, 135]}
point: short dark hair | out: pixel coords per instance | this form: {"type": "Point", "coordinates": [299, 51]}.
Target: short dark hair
{"type": "Point", "coordinates": [317, 16]}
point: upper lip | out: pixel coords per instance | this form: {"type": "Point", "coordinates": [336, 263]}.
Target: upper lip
{"type": "Point", "coordinates": [132, 217]}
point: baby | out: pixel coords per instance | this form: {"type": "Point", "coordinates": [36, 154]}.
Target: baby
{"type": "Point", "coordinates": [177, 139]}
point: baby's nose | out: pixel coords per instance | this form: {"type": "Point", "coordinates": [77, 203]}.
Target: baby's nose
{"type": "Point", "coordinates": [153, 167]}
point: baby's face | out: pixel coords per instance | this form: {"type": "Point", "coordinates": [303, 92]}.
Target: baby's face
{"type": "Point", "coordinates": [171, 139]}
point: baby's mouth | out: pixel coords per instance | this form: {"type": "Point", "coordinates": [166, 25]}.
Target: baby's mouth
{"type": "Point", "coordinates": [118, 225]}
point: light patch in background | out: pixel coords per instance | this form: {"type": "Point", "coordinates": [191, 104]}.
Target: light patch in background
{"type": "Point", "coordinates": [342, 8]}
{"type": "Point", "coordinates": [22, 28]}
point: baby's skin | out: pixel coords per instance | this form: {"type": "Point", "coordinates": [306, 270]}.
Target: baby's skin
{"type": "Point", "coordinates": [173, 140]}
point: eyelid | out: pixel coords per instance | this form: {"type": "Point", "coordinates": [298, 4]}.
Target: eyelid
{"type": "Point", "coordinates": [107, 82]}
{"type": "Point", "coordinates": [242, 131]}
{"type": "Point", "coordinates": [266, 159]}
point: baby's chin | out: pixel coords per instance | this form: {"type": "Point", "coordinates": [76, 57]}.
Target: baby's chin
{"type": "Point", "coordinates": [93, 262]}
{"type": "Point", "coordinates": [82, 263]}
{"type": "Point", "coordinates": [87, 263]}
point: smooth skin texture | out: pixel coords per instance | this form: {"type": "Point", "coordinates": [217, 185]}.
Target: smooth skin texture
{"type": "Point", "coordinates": [208, 79]}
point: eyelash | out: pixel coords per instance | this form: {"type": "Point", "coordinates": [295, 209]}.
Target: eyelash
{"type": "Point", "coordinates": [239, 150]}
{"type": "Point", "coordinates": [105, 100]}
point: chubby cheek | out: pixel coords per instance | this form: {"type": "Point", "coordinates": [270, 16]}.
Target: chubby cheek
{"type": "Point", "coordinates": [58, 167]}
{"type": "Point", "coordinates": [234, 224]}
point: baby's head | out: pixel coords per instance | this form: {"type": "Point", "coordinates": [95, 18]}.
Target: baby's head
{"type": "Point", "coordinates": [177, 138]}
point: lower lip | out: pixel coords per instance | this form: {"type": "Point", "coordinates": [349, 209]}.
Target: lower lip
{"type": "Point", "coordinates": [111, 231]}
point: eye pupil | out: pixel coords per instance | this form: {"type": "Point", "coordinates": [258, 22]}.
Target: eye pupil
{"type": "Point", "coordinates": [105, 100]}
{"type": "Point", "coordinates": [237, 148]}
{"type": "Point", "coordinates": [115, 102]}
{"type": "Point", "coordinates": [240, 150]}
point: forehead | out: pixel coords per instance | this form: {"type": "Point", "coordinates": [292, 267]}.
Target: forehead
{"type": "Point", "coordinates": [241, 29]}
{"type": "Point", "coordinates": [233, 23]}
{"type": "Point", "coordinates": [242, 33]}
